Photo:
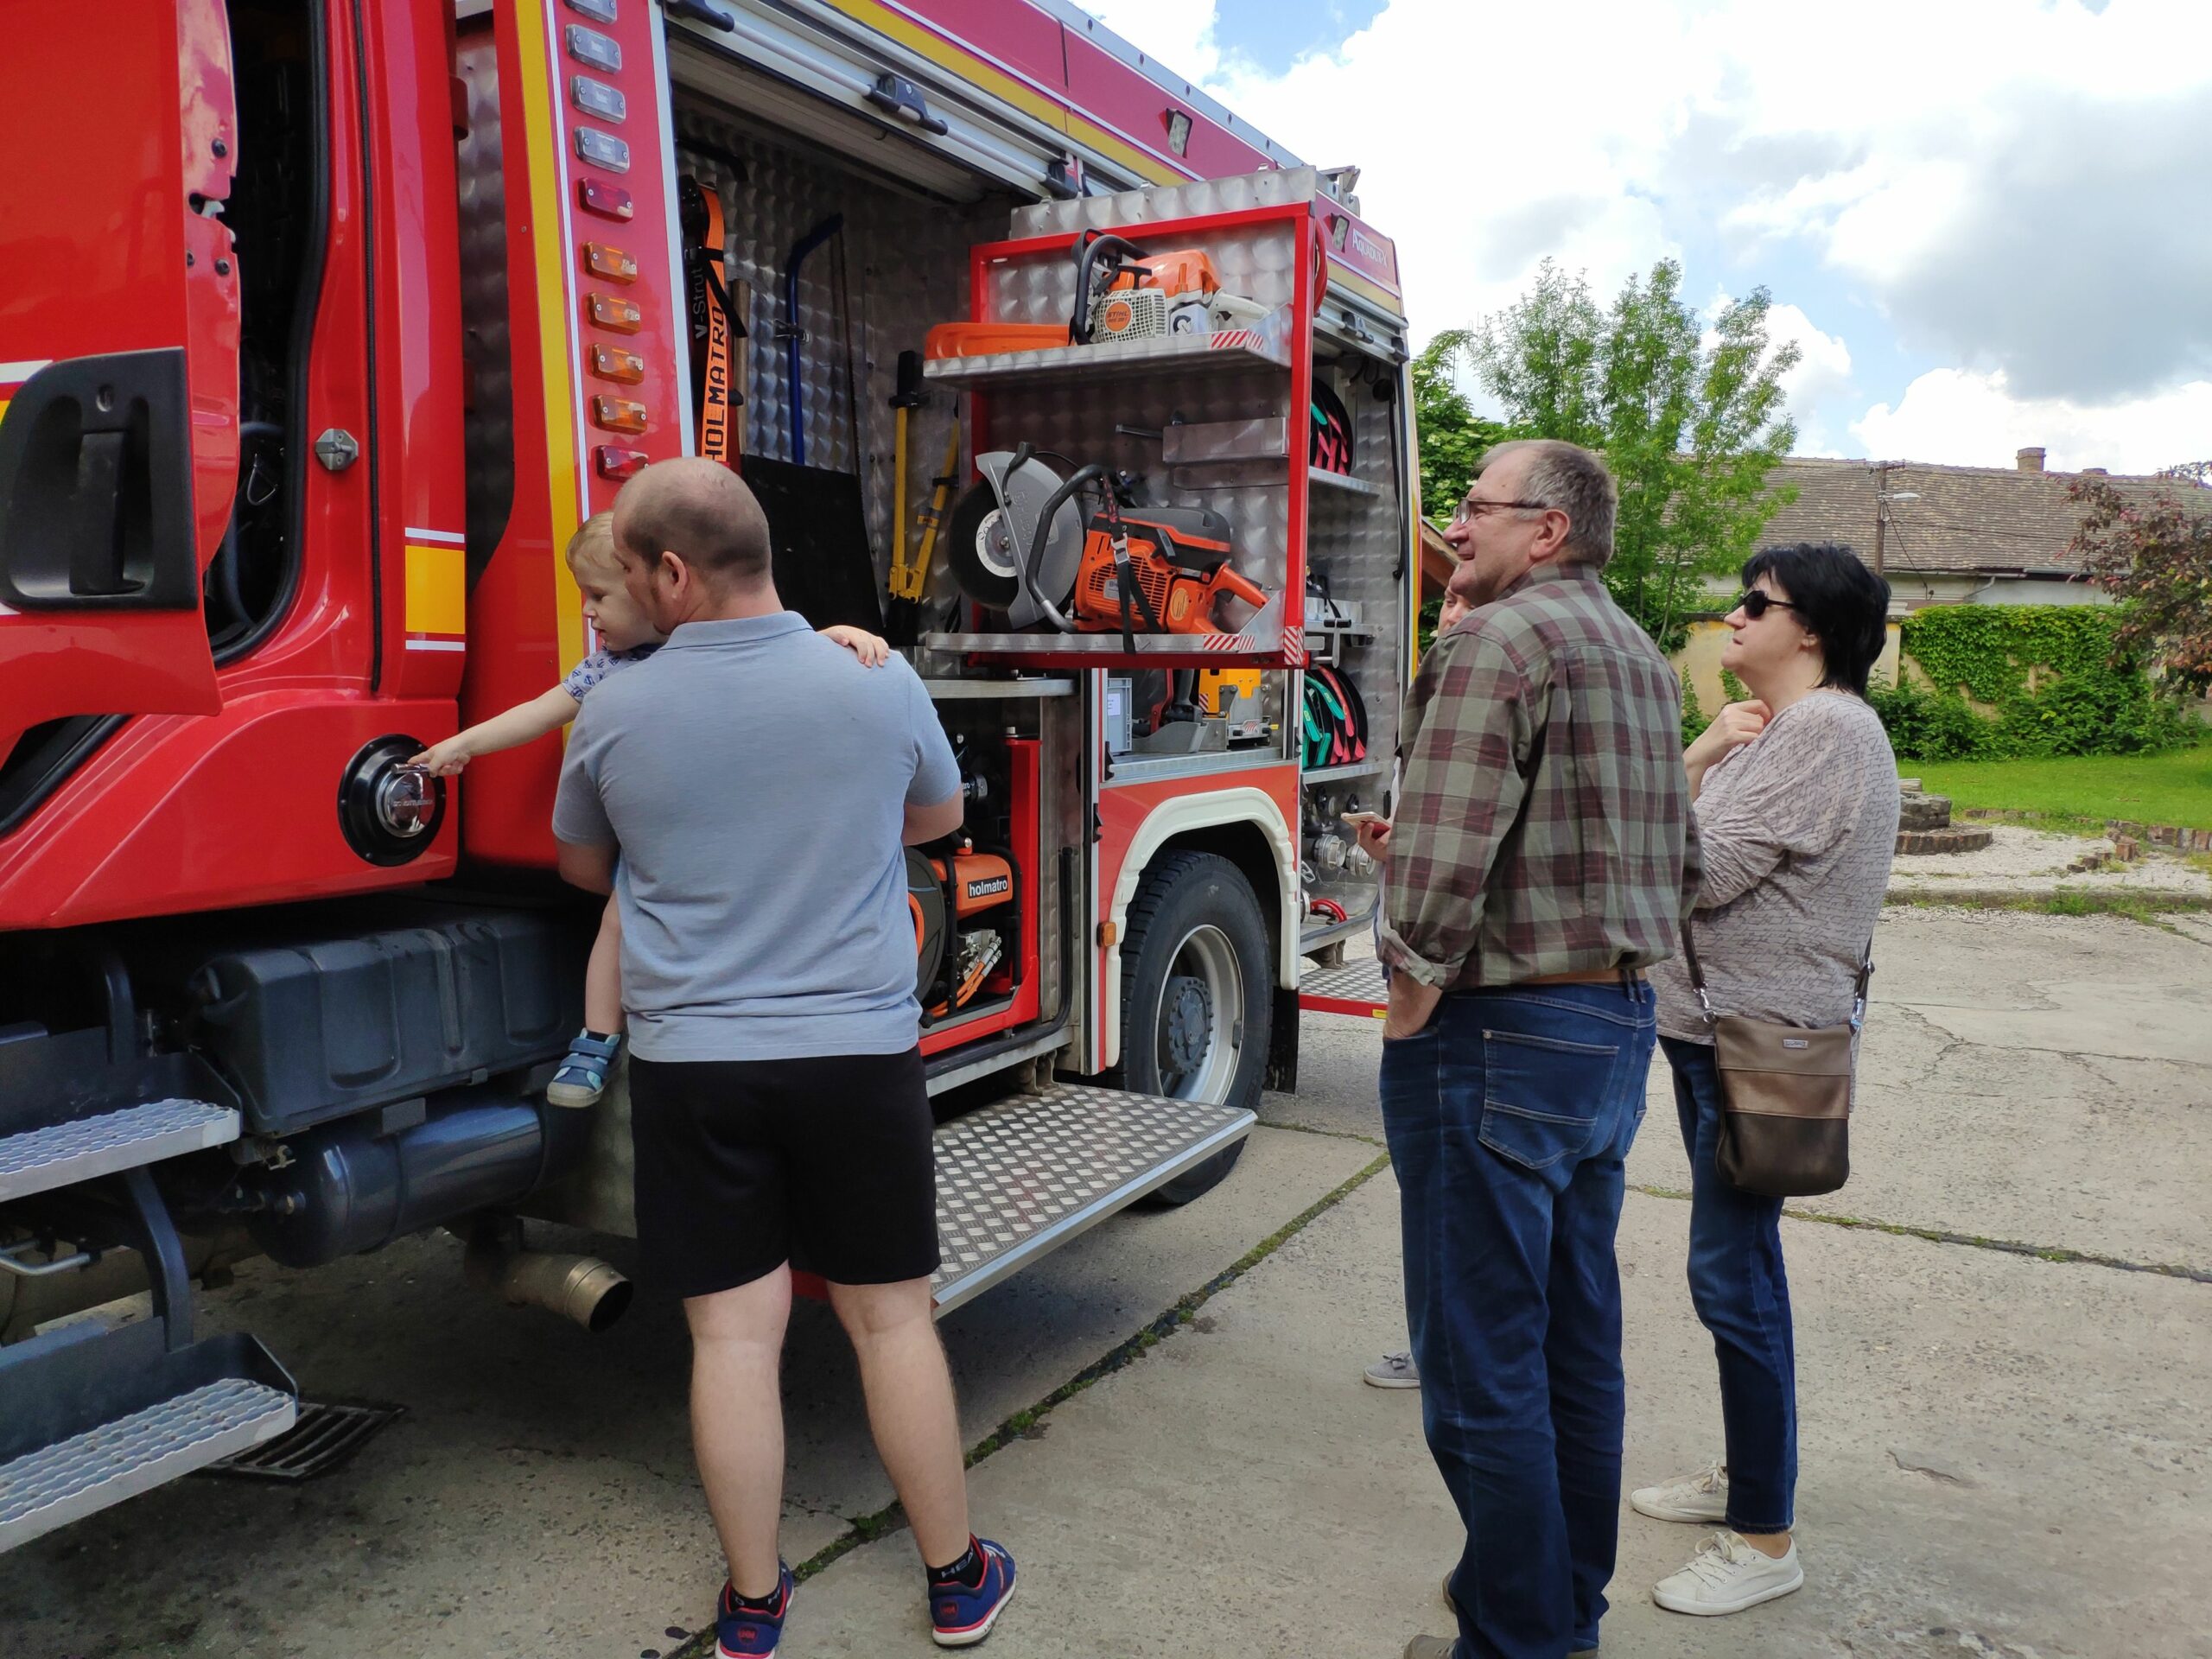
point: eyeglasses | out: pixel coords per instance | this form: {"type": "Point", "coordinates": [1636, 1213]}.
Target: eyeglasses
{"type": "Point", "coordinates": [1757, 602]}
{"type": "Point", "coordinates": [1470, 509]}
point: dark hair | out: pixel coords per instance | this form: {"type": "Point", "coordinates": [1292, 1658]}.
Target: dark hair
{"type": "Point", "coordinates": [1842, 603]}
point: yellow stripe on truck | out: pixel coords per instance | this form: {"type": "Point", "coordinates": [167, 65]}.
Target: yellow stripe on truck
{"type": "Point", "coordinates": [437, 590]}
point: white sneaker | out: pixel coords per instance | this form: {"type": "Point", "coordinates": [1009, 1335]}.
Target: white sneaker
{"type": "Point", "coordinates": [1702, 1499]}
{"type": "Point", "coordinates": [1727, 1576]}
{"type": "Point", "coordinates": [1393, 1371]}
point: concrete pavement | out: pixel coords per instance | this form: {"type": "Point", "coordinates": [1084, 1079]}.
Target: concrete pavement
{"type": "Point", "coordinates": [2003, 1454]}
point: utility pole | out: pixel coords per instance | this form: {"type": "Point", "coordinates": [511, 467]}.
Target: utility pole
{"type": "Point", "coordinates": [1881, 508]}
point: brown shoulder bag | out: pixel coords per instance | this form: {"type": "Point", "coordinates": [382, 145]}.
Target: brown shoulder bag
{"type": "Point", "coordinates": [1785, 1094]}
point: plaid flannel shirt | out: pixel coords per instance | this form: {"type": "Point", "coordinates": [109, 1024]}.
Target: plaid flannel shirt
{"type": "Point", "coordinates": [1544, 825]}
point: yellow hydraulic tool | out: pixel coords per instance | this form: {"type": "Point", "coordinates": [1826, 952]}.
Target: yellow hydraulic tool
{"type": "Point", "coordinates": [906, 578]}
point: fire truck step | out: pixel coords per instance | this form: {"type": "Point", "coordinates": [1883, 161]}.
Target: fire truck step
{"type": "Point", "coordinates": [1023, 1175]}
{"type": "Point", "coordinates": [71, 1478]}
{"type": "Point", "coordinates": [1357, 988]}
{"type": "Point", "coordinates": [38, 1160]}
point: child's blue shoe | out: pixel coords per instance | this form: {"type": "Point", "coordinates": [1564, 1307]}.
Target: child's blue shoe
{"type": "Point", "coordinates": [960, 1616]}
{"type": "Point", "coordinates": [582, 1076]}
{"type": "Point", "coordinates": [749, 1632]}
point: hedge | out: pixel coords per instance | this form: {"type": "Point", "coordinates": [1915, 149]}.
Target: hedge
{"type": "Point", "coordinates": [2053, 676]}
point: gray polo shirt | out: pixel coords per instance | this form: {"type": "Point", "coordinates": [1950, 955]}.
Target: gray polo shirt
{"type": "Point", "coordinates": [755, 777]}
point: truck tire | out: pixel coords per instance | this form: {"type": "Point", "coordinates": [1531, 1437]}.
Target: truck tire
{"type": "Point", "coordinates": [1197, 997]}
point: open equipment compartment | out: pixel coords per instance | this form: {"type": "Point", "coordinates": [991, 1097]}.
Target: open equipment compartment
{"type": "Point", "coordinates": [1209, 420]}
{"type": "Point", "coordinates": [1358, 561]}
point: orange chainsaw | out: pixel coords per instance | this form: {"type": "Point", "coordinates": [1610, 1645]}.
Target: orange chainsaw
{"type": "Point", "coordinates": [1018, 543]}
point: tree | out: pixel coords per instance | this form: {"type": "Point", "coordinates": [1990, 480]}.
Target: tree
{"type": "Point", "coordinates": [2156, 557]}
{"type": "Point", "coordinates": [1452, 435]}
{"type": "Point", "coordinates": [1690, 420]}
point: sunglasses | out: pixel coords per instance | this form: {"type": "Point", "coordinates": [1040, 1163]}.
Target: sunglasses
{"type": "Point", "coordinates": [1757, 602]}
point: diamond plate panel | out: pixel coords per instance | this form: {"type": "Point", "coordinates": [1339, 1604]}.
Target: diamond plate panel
{"type": "Point", "coordinates": [1272, 188]}
{"type": "Point", "coordinates": [1018, 1176]}
{"type": "Point", "coordinates": [905, 266]}
{"type": "Point", "coordinates": [1356, 981]}
{"type": "Point", "coordinates": [38, 1160]}
{"type": "Point", "coordinates": [60, 1483]}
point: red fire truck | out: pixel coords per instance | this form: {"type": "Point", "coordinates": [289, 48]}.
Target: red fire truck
{"type": "Point", "coordinates": [324, 329]}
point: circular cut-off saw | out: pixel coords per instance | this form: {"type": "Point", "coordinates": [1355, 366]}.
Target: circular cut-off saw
{"type": "Point", "coordinates": [1018, 542]}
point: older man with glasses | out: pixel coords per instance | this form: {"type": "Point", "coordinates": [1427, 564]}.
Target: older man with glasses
{"type": "Point", "coordinates": [1542, 859]}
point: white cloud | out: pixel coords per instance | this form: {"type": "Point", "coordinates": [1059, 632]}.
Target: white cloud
{"type": "Point", "coordinates": [1964, 418]}
{"type": "Point", "coordinates": [1822, 375]}
{"type": "Point", "coordinates": [2009, 187]}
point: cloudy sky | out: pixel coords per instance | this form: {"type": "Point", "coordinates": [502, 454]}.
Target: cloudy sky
{"type": "Point", "coordinates": [1988, 223]}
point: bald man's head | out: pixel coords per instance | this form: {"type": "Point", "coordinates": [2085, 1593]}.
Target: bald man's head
{"type": "Point", "coordinates": [701, 512]}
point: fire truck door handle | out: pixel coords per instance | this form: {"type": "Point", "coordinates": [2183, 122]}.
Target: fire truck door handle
{"type": "Point", "coordinates": [95, 538]}
{"type": "Point", "coordinates": [700, 12]}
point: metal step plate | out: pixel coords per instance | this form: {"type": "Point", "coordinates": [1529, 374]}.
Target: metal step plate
{"type": "Point", "coordinates": [325, 1438]}
{"type": "Point", "coordinates": [74, 1478]}
{"type": "Point", "coordinates": [1357, 988]}
{"type": "Point", "coordinates": [1024, 1175]}
{"type": "Point", "coordinates": [38, 1160]}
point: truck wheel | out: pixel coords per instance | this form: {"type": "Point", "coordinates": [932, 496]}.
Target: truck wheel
{"type": "Point", "coordinates": [1197, 1002]}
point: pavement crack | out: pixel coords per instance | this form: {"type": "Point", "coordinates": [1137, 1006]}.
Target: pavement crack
{"type": "Point", "coordinates": [1329, 1135]}
{"type": "Point", "coordinates": [2054, 1253]}
{"type": "Point", "coordinates": [1028, 1423]}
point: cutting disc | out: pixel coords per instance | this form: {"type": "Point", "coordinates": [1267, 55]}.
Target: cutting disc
{"type": "Point", "coordinates": [980, 549]}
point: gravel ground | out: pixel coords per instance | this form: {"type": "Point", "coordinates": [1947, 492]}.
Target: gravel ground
{"type": "Point", "coordinates": [2034, 860]}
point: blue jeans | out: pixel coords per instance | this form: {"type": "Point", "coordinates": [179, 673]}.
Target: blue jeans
{"type": "Point", "coordinates": [1741, 1296]}
{"type": "Point", "coordinates": [1508, 1119]}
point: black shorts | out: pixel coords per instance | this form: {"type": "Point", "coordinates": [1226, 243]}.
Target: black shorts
{"type": "Point", "coordinates": [743, 1165]}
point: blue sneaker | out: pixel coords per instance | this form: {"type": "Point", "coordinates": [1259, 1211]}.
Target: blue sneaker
{"type": "Point", "coordinates": [959, 1616]}
{"type": "Point", "coordinates": [747, 1632]}
{"type": "Point", "coordinates": [582, 1076]}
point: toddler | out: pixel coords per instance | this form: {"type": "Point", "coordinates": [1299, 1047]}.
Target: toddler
{"type": "Point", "coordinates": [624, 638]}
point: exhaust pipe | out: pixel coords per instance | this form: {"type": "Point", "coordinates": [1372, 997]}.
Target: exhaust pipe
{"type": "Point", "coordinates": [583, 1289]}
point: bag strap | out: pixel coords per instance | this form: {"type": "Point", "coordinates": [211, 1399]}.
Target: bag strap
{"type": "Point", "coordinates": [1705, 1003]}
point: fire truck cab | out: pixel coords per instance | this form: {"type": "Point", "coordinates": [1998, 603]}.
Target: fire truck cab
{"type": "Point", "coordinates": [317, 346]}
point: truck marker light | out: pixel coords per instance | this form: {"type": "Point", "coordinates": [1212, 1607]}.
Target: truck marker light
{"type": "Point", "coordinates": [618, 464]}
{"type": "Point", "coordinates": [593, 49]}
{"type": "Point", "coordinates": [607, 200]}
{"type": "Point", "coordinates": [613, 363]}
{"type": "Point", "coordinates": [599, 11]}
{"type": "Point", "coordinates": [617, 414]}
{"type": "Point", "coordinates": [615, 315]}
{"type": "Point", "coordinates": [603, 149]}
{"type": "Point", "coordinates": [613, 264]}
{"type": "Point", "coordinates": [598, 99]}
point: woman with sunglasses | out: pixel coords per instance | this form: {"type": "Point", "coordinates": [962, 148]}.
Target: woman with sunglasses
{"type": "Point", "coordinates": [1794, 794]}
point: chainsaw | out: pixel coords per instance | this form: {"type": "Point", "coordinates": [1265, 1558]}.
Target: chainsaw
{"type": "Point", "coordinates": [1120, 293]}
{"type": "Point", "coordinates": [1149, 295]}
{"type": "Point", "coordinates": [1019, 544]}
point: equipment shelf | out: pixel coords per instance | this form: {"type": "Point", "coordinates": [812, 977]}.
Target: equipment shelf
{"type": "Point", "coordinates": [1246, 352]}
{"type": "Point", "coordinates": [1343, 481]}
{"type": "Point", "coordinates": [1332, 774]}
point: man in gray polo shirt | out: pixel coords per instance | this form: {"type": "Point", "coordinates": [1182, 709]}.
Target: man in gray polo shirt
{"type": "Point", "coordinates": [758, 784]}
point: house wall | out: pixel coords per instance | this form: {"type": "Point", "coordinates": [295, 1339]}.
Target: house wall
{"type": "Point", "coordinates": [1914, 591]}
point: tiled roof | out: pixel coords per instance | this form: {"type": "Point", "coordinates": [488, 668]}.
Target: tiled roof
{"type": "Point", "coordinates": [1987, 520]}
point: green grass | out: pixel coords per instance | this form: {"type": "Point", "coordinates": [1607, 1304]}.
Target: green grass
{"type": "Point", "coordinates": [2174, 788]}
